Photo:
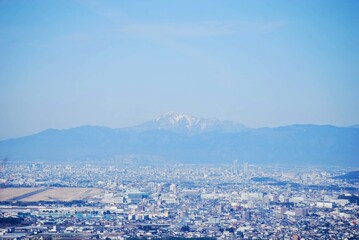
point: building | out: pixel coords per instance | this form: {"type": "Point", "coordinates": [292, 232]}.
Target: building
{"type": "Point", "coordinates": [235, 168]}
{"type": "Point", "coordinates": [246, 215]}
{"type": "Point", "coordinates": [301, 212]}
{"type": "Point", "coordinates": [173, 188]}
{"type": "Point", "coordinates": [245, 167]}
{"type": "Point", "coordinates": [136, 197]}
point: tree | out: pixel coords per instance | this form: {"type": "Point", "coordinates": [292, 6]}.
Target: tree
{"type": "Point", "coordinates": [185, 228]}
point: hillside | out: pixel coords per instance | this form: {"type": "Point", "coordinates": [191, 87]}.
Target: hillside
{"type": "Point", "coordinates": [294, 144]}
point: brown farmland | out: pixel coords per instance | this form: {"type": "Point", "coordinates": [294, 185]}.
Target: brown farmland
{"type": "Point", "coordinates": [48, 194]}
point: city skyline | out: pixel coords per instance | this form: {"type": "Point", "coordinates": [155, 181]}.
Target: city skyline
{"type": "Point", "coordinates": [180, 119]}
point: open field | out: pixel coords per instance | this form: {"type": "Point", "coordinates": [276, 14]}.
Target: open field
{"type": "Point", "coordinates": [10, 193]}
{"type": "Point", "coordinates": [48, 194]}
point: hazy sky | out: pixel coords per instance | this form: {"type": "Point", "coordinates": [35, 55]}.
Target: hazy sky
{"type": "Point", "coordinates": [119, 63]}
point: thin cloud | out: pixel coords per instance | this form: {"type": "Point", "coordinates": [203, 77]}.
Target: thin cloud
{"type": "Point", "coordinates": [191, 29]}
{"type": "Point", "coordinates": [178, 30]}
{"type": "Point", "coordinates": [203, 29]}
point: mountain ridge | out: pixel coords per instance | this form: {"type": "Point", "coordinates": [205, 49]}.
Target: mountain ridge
{"type": "Point", "coordinates": [188, 124]}
{"type": "Point", "coordinates": [292, 144]}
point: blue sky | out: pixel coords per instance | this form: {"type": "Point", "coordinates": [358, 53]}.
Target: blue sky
{"type": "Point", "coordinates": [119, 63]}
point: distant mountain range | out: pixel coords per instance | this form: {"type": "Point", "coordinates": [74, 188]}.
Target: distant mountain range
{"type": "Point", "coordinates": [183, 138]}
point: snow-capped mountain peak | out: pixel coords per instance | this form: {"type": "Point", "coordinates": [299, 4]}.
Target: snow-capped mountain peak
{"type": "Point", "coordinates": [188, 124]}
{"type": "Point", "coordinates": [176, 119]}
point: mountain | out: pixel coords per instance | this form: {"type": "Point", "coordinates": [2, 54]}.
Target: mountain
{"type": "Point", "coordinates": [188, 124]}
{"type": "Point", "coordinates": [183, 138]}
{"type": "Point", "coordinates": [350, 176]}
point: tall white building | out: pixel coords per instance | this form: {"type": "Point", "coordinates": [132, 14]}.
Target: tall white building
{"type": "Point", "coordinates": [235, 168]}
{"type": "Point", "coordinates": [173, 188]}
{"type": "Point", "coordinates": [245, 167]}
